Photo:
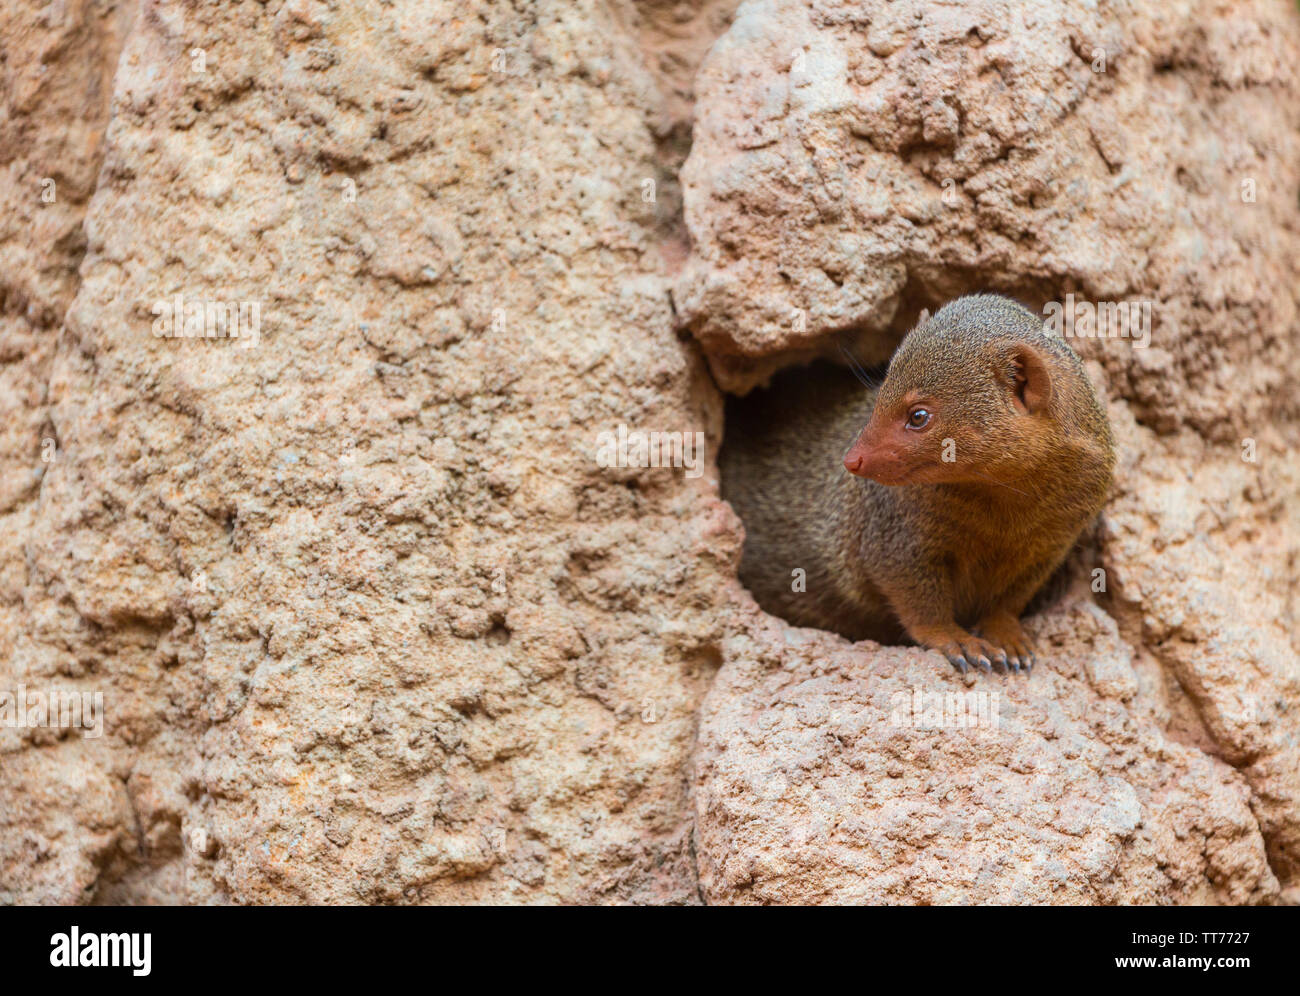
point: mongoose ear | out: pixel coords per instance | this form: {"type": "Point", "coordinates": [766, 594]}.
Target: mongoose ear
{"type": "Point", "coordinates": [1031, 379]}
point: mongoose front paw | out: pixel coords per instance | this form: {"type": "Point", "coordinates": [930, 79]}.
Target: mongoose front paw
{"type": "Point", "coordinates": [1003, 629]}
{"type": "Point", "coordinates": [964, 650]}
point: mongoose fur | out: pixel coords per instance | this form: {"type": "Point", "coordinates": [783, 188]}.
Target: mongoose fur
{"type": "Point", "coordinates": [984, 454]}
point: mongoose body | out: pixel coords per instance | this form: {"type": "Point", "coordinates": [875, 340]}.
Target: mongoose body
{"type": "Point", "coordinates": [968, 477]}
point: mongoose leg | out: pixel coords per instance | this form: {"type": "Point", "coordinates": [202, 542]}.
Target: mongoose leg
{"type": "Point", "coordinates": [1004, 629]}
{"type": "Point", "coordinates": [923, 603]}
{"type": "Point", "coordinates": [962, 649]}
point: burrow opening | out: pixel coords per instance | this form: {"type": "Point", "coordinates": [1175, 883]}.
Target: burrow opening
{"type": "Point", "coordinates": [774, 571]}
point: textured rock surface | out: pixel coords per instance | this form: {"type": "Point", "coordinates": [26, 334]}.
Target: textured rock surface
{"type": "Point", "coordinates": [370, 622]}
{"type": "Point", "coordinates": [824, 780]}
{"type": "Point", "coordinates": [63, 807]}
{"type": "Point", "coordinates": [854, 162]}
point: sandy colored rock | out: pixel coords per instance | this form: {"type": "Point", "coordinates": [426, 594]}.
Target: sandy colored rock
{"type": "Point", "coordinates": [834, 773]}
{"type": "Point", "coordinates": [64, 810]}
{"type": "Point", "coordinates": [370, 621]}
{"type": "Point", "coordinates": [855, 162]}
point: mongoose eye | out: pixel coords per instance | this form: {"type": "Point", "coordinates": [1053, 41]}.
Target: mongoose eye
{"type": "Point", "coordinates": [919, 418]}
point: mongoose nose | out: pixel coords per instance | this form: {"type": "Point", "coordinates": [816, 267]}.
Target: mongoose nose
{"type": "Point", "coordinates": [852, 462]}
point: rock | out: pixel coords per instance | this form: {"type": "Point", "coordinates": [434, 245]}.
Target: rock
{"type": "Point", "coordinates": [357, 584]}
{"type": "Point", "coordinates": [370, 620]}
{"type": "Point", "coordinates": [855, 774]}
{"type": "Point", "coordinates": [855, 162]}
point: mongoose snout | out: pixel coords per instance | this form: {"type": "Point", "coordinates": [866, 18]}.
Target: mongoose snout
{"type": "Point", "coordinates": [971, 472]}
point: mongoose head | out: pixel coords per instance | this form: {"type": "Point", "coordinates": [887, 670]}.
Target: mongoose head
{"type": "Point", "coordinates": [975, 393]}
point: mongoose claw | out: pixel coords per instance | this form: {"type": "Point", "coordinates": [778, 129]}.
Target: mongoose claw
{"type": "Point", "coordinates": [969, 652]}
{"type": "Point", "coordinates": [1003, 630]}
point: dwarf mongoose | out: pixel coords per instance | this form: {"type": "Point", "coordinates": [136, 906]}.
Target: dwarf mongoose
{"type": "Point", "coordinates": [984, 454]}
